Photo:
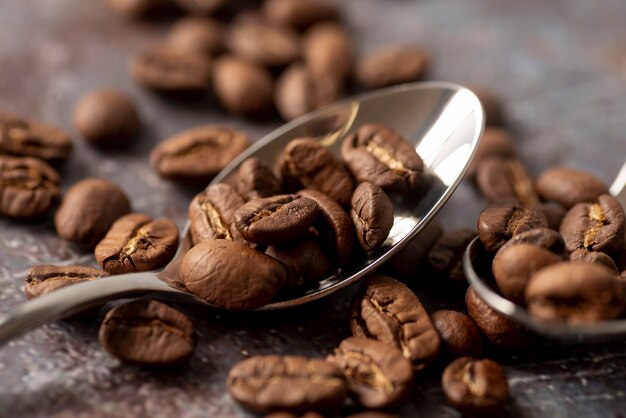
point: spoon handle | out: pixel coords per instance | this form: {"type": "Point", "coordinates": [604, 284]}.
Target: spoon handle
{"type": "Point", "coordinates": [71, 300]}
{"type": "Point", "coordinates": [618, 188]}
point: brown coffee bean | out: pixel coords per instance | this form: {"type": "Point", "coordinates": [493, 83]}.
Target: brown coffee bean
{"type": "Point", "coordinates": [623, 275]}
{"type": "Point", "coordinates": [260, 383]}
{"type": "Point", "coordinates": [243, 88]}
{"type": "Point", "coordinates": [475, 387]}
{"type": "Point", "coordinates": [148, 333]}
{"type": "Point", "coordinates": [595, 226]}
{"type": "Point", "coordinates": [304, 260]}
{"type": "Point", "coordinates": [29, 188]}
{"type": "Point", "coordinates": [276, 219]}
{"type": "Point", "coordinates": [542, 237]}
{"type": "Point", "coordinates": [196, 156]}
{"type": "Point", "coordinates": [140, 9]}
{"type": "Point", "coordinates": [492, 105]}
{"type": "Point", "coordinates": [201, 7]}
{"type": "Point", "coordinates": [306, 163]}
{"type": "Point", "coordinates": [231, 275]}
{"type": "Point", "coordinates": [568, 186]}
{"type": "Point", "coordinates": [391, 65]}
{"type": "Point", "coordinates": [499, 330]}
{"type": "Point", "coordinates": [495, 142]}
{"type": "Point", "coordinates": [554, 214]}
{"type": "Point", "coordinates": [409, 260]}
{"type": "Point", "coordinates": [198, 35]}
{"type": "Point", "coordinates": [498, 224]}
{"type": "Point", "coordinates": [290, 415]}
{"type": "Point", "coordinates": [211, 213]}
{"type": "Point", "coordinates": [31, 138]}
{"type": "Point", "coordinates": [378, 375]}
{"type": "Point", "coordinates": [386, 310]}
{"type": "Point", "coordinates": [295, 92]}
{"type": "Point", "coordinates": [620, 257]}
{"type": "Point", "coordinates": [299, 14]}
{"type": "Point", "coordinates": [381, 156]}
{"type": "Point", "coordinates": [459, 334]}
{"type": "Point", "coordinates": [446, 256]}
{"type": "Point", "coordinates": [372, 414]}
{"type": "Point", "coordinates": [372, 215]}
{"type": "Point", "coordinates": [502, 180]}
{"type": "Point", "coordinates": [170, 70]}
{"type": "Point", "coordinates": [256, 180]}
{"type": "Point", "coordinates": [584, 256]}
{"type": "Point", "coordinates": [106, 118]}
{"type": "Point", "coordinates": [136, 242]}
{"type": "Point", "coordinates": [514, 266]}
{"type": "Point", "coordinates": [45, 278]}
{"type": "Point", "coordinates": [88, 210]}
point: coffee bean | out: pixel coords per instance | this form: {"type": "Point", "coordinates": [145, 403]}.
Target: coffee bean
{"type": "Point", "coordinates": [459, 334]}
{"type": "Point", "coordinates": [256, 180]}
{"type": "Point", "coordinates": [200, 7]}
{"type": "Point", "coordinates": [498, 224]}
{"type": "Point", "coordinates": [568, 186]}
{"type": "Point", "coordinates": [136, 242]}
{"type": "Point", "coordinates": [584, 256]}
{"type": "Point", "coordinates": [140, 9]}
{"type": "Point", "coordinates": [409, 260]}
{"type": "Point", "coordinates": [29, 187]}
{"type": "Point", "coordinates": [513, 267]}
{"type": "Point", "coordinates": [45, 278]}
{"type": "Point", "coordinates": [378, 375]}
{"type": "Point", "coordinates": [148, 333]}
{"type": "Point", "coordinates": [446, 256]}
{"type": "Point", "coordinates": [243, 88]}
{"type": "Point", "coordinates": [492, 105]}
{"type": "Point", "coordinates": [623, 275]}
{"type": "Point", "coordinates": [542, 237]}
{"type": "Point", "coordinates": [554, 214]}
{"type": "Point", "coordinates": [306, 163]}
{"type": "Point", "coordinates": [170, 70]}
{"type": "Point", "coordinates": [475, 387]}
{"type": "Point", "coordinates": [381, 156]}
{"type": "Point", "coordinates": [372, 215]}
{"type": "Point", "coordinates": [299, 14]}
{"type": "Point", "coordinates": [499, 330]}
{"type": "Point", "coordinates": [290, 415]}
{"type": "Point", "coordinates": [576, 293]}
{"type": "Point", "coordinates": [372, 414]}
{"type": "Point", "coordinates": [276, 219]}
{"type": "Point", "coordinates": [260, 383]}
{"type": "Point", "coordinates": [391, 65]}
{"type": "Point", "coordinates": [596, 226]}
{"type": "Point", "coordinates": [195, 156]}
{"type": "Point", "coordinates": [304, 260]}
{"type": "Point", "coordinates": [495, 142]}
{"type": "Point", "coordinates": [296, 92]}
{"type": "Point", "coordinates": [211, 214]}
{"type": "Point", "coordinates": [198, 35]}
{"type": "Point", "coordinates": [620, 257]}
{"type": "Point", "coordinates": [502, 180]}
{"type": "Point", "coordinates": [230, 275]}
{"type": "Point", "coordinates": [88, 210]}
{"type": "Point", "coordinates": [31, 138]}
{"type": "Point", "coordinates": [106, 118]}
{"type": "Point", "coordinates": [386, 310]}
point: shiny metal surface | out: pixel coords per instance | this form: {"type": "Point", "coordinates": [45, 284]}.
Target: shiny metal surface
{"type": "Point", "coordinates": [444, 121]}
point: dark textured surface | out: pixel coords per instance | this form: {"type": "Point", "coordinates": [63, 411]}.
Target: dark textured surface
{"type": "Point", "coordinates": [561, 65]}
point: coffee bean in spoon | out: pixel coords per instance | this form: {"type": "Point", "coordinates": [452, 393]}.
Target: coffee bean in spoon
{"type": "Point", "coordinates": [499, 223]}
{"type": "Point", "coordinates": [304, 260]}
{"type": "Point", "coordinates": [212, 212]}
{"type": "Point", "coordinates": [542, 237]}
{"type": "Point", "coordinates": [372, 215]}
{"type": "Point", "coordinates": [568, 186]}
{"type": "Point", "coordinates": [45, 278]}
{"type": "Point", "coordinates": [584, 256]}
{"type": "Point", "coordinates": [21, 136]}
{"type": "Point", "coordinates": [554, 214]}
{"type": "Point", "coordinates": [255, 179]}
{"type": "Point", "coordinates": [459, 334]}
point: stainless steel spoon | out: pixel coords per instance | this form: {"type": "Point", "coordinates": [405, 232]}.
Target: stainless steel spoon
{"type": "Point", "coordinates": [558, 330]}
{"type": "Point", "coordinates": [444, 121]}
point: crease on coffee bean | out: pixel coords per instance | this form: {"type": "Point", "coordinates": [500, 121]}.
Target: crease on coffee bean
{"type": "Point", "coordinates": [202, 147]}
{"type": "Point", "coordinates": [466, 375]}
{"type": "Point", "coordinates": [384, 156]}
{"type": "Point", "coordinates": [215, 221]}
{"type": "Point", "coordinates": [149, 323]}
{"type": "Point", "coordinates": [522, 186]}
{"type": "Point", "coordinates": [516, 218]}
{"type": "Point", "coordinates": [597, 221]}
{"type": "Point", "coordinates": [24, 177]}
{"type": "Point", "coordinates": [303, 178]}
{"type": "Point", "coordinates": [406, 351]}
{"type": "Point", "coordinates": [379, 380]}
{"type": "Point", "coordinates": [140, 235]}
{"type": "Point", "coordinates": [65, 276]}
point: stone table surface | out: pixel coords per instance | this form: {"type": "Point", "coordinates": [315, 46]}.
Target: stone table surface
{"type": "Point", "coordinates": [561, 67]}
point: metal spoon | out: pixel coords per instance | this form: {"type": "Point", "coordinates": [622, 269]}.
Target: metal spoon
{"type": "Point", "coordinates": [443, 120]}
{"type": "Point", "coordinates": [558, 330]}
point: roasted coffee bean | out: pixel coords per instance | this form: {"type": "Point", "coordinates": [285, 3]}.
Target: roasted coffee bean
{"type": "Point", "coordinates": [140, 9]}
{"type": "Point", "coordinates": [295, 92]}
{"type": "Point", "coordinates": [304, 260]}
{"type": "Point", "coordinates": [106, 118]}
{"type": "Point", "coordinates": [620, 257]}
{"type": "Point", "coordinates": [542, 237]}
{"type": "Point", "coordinates": [502, 180]}
{"type": "Point", "coordinates": [495, 142]}
{"type": "Point", "coordinates": [195, 156]}
{"type": "Point", "coordinates": [290, 415]}
{"type": "Point", "coordinates": [148, 333]}
{"type": "Point", "coordinates": [514, 266]}
{"type": "Point", "coordinates": [31, 138]}
{"type": "Point", "coordinates": [459, 334]}
{"type": "Point", "coordinates": [198, 35]}
{"type": "Point", "coordinates": [386, 310]}
{"type": "Point", "coordinates": [276, 219]}
{"type": "Point", "coordinates": [623, 275]}
{"type": "Point", "coordinates": [306, 163]}
{"type": "Point", "coordinates": [409, 260]}
{"type": "Point", "coordinates": [256, 180]}
{"type": "Point", "coordinates": [576, 293]}
{"type": "Point", "coordinates": [568, 186]}
{"type": "Point", "coordinates": [171, 70]}
{"type": "Point", "coordinates": [554, 214]}
{"type": "Point", "coordinates": [200, 7]}
{"type": "Point", "coordinates": [260, 383]}
{"type": "Point", "coordinates": [230, 275]}
{"type": "Point", "coordinates": [211, 214]}
{"type": "Point", "coordinates": [29, 187]}
{"type": "Point", "coordinates": [136, 242]}
{"type": "Point", "coordinates": [299, 14]}
{"type": "Point", "coordinates": [594, 226]}
{"type": "Point", "coordinates": [372, 414]}
{"type": "Point", "coordinates": [46, 278]}
{"type": "Point", "coordinates": [243, 88]}
{"type": "Point", "coordinates": [492, 105]}
{"type": "Point", "coordinates": [446, 256]}
{"type": "Point", "coordinates": [584, 256]}
{"type": "Point", "coordinates": [378, 375]}
{"type": "Point", "coordinates": [498, 224]}
{"type": "Point", "coordinates": [475, 387]}
{"type": "Point", "coordinates": [381, 156]}
{"type": "Point", "coordinates": [391, 65]}
{"type": "Point", "coordinates": [372, 215]}
{"type": "Point", "coordinates": [88, 210]}
{"type": "Point", "coordinates": [499, 330]}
